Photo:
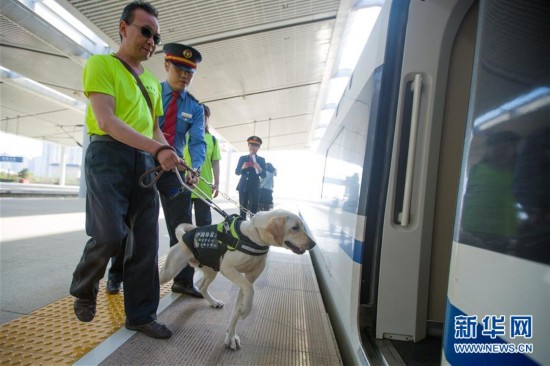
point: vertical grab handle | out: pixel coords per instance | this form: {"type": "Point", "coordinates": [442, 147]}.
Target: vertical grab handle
{"type": "Point", "coordinates": [416, 89]}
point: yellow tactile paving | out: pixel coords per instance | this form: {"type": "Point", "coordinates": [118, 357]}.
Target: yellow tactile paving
{"type": "Point", "coordinates": [53, 334]}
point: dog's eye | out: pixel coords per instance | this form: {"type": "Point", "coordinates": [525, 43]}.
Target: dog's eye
{"type": "Point", "coordinates": [296, 227]}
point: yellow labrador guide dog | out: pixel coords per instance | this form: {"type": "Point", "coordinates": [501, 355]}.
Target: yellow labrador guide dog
{"type": "Point", "coordinates": [238, 249]}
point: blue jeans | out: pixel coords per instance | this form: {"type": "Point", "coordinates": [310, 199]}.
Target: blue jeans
{"type": "Point", "coordinates": [177, 210]}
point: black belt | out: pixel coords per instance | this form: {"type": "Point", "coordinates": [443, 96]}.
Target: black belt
{"type": "Point", "coordinates": [102, 138]}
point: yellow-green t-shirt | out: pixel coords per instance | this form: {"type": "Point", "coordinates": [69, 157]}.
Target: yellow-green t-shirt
{"type": "Point", "coordinates": [105, 74]}
{"type": "Point", "coordinates": [212, 153]}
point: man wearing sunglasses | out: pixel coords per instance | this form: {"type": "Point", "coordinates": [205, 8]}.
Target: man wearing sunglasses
{"type": "Point", "coordinates": [183, 116]}
{"type": "Point", "coordinates": [125, 140]}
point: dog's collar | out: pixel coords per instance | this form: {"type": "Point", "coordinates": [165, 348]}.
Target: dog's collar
{"type": "Point", "coordinates": [230, 229]}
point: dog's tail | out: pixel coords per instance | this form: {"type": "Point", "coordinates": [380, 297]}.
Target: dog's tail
{"type": "Point", "coordinates": [176, 259]}
{"type": "Point", "coordinates": [180, 230]}
{"type": "Point", "coordinates": [183, 228]}
{"type": "Point", "coordinates": [175, 262]}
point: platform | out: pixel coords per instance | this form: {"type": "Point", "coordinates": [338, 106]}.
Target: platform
{"type": "Point", "coordinates": [8, 189]}
{"type": "Point", "coordinates": [41, 242]}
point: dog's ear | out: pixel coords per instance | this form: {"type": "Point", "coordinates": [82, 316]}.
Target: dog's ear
{"type": "Point", "coordinates": [276, 229]}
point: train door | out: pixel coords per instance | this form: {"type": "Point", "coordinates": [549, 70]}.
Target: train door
{"type": "Point", "coordinates": [416, 233]}
{"type": "Point", "coordinates": [375, 251]}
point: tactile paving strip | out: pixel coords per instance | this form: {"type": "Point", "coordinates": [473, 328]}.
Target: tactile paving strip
{"type": "Point", "coordinates": [53, 335]}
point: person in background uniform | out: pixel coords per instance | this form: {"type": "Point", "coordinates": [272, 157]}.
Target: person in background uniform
{"type": "Point", "coordinates": [125, 140]}
{"type": "Point", "coordinates": [183, 115]}
{"type": "Point", "coordinates": [266, 188]}
{"type": "Point", "coordinates": [251, 168]}
{"type": "Point", "coordinates": [210, 172]}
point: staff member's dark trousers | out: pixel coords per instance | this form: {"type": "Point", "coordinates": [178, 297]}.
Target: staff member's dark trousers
{"type": "Point", "coordinates": [177, 210]}
{"type": "Point", "coordinates": [203, 215]}
{"type": "Point", "coordinates": [116, 208]}
{"type": "Point", "coordinates": [248, 200]}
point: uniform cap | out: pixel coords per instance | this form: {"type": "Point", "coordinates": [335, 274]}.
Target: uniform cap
{"type": "Point", "coordinates": [254, 140]}
{"type": "Point", "coordinates": [182, 56]}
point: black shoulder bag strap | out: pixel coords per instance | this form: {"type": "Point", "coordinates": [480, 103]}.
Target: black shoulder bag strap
{"type": "Point", "coordinates": [140, 84]}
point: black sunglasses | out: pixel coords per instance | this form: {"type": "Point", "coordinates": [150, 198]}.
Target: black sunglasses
{"type": "Point", "coordinates": [148, 33]}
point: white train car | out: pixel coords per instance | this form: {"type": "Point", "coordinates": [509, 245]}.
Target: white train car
{"type": "Point", "coordinates": [433, 219]}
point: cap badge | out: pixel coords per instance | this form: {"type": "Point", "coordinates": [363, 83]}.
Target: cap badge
{"type": "Point", "coordinates": [187, 54]}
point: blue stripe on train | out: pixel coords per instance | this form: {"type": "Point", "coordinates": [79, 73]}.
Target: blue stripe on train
{"type": "Point", "coordinates": [353, 248]}
{"type": "Point", "coordinates": [468, 359]}
{"type": "Point", "coordinates": [358, 251]}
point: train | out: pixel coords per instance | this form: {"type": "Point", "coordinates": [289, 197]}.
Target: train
{"type": "Point", "coordinates": [432, 213]}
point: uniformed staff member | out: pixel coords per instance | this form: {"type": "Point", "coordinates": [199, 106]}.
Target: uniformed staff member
{"type": "Point", "coordinates": [182, 114]}
{"type": "Point", "coordinates": [180, 63]}
{"type": "Point", "coordinates": [251, 168]}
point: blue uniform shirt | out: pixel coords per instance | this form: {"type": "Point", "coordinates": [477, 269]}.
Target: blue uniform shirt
{"type": "Point", "coordinates": [190, 118]}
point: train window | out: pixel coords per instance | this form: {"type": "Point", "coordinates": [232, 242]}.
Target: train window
{"type": "Point", "coordinates": [346, 155]}
{"type": "Point", "coordinates": [505, 190]}
{"type": "Point", "coordinates": [342, 179]}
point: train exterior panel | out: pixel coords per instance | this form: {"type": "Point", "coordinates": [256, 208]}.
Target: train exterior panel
{"type": "Point", "coordinates": [336, 217]}
{"type": "Point", "coordinates": [499, 287]}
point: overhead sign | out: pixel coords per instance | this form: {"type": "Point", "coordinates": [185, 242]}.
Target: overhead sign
{"type": "Point", "coordinates": [11, 159]}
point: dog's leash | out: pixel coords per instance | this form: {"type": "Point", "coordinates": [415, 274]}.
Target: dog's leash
{"type": "Point", "coordinates": [158, 171]}
{"type": "Point", "coordinates": [223, 194]}
{"type": "Point", "coordinates": [203, 196]}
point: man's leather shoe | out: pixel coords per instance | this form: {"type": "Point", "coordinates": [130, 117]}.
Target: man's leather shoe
{"type": "Point", "coordinates": [112, 287]}
{"type": "Point", "coordinates": [188, 290]}
{"type": "Point", "coordinates": [84, 309]}
{"type": "Point", "coordinates": [153, 329]}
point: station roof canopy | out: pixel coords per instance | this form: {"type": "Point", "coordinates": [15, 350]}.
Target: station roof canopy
{"type": "Point", "coordinates": [265, 69]}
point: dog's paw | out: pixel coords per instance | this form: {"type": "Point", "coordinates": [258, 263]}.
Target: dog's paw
{"type": "Point", "coordinates": [232, 342]}
{"type": "Point", "coordinates": [216, 304]}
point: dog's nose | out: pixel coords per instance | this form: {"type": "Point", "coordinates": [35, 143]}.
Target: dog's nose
{"type": "Point", "coordinates": [311, 244]}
